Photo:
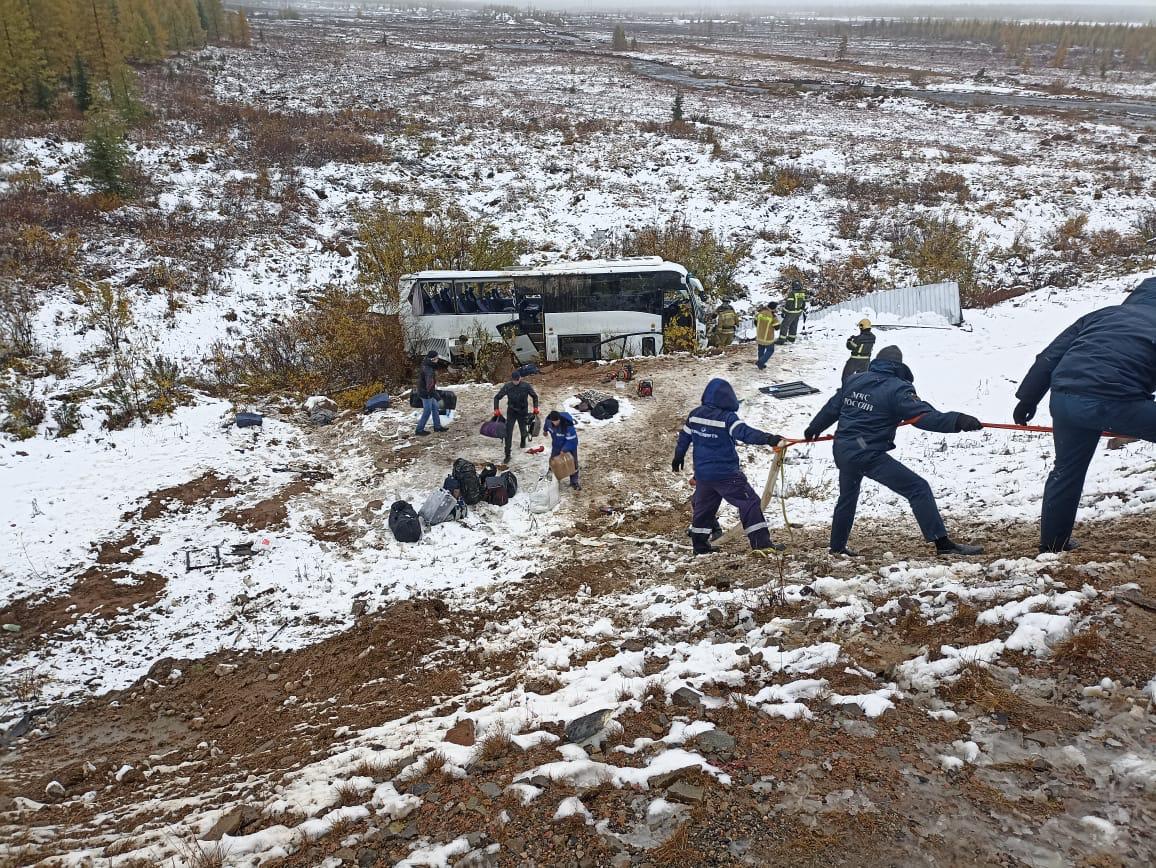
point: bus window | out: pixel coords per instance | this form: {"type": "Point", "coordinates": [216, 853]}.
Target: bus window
{"type": "Point", "coordinates": [486, 296]}
{"type": "Point", "coordinates": [437, 296]}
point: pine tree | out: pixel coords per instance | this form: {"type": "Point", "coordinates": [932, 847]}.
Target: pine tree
{"type": "Point", "coordinates": [618, 41]}
{"type": "Point", "coordinates": [81, 94]}
{"type": "Point", "coordinates": [676, 109]}
{"type": "Point", "coordinates": [106, 157]}
{"type": "Point", "coordinates": [841, 53]}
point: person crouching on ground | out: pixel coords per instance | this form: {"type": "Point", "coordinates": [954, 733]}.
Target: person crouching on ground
{"type": "Point", "coordinates": [518, 395]}
{"type": "Point", "coordinates": [563, 438]}
{"type": "Point", "coordinates": [713, 429]}
{"type": "Point", "coordinates": [868, 409]}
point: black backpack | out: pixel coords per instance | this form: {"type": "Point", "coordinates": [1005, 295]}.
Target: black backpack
{"type": "Point", "coordinates": [467, 476]}
{"type": "Point", "coordinates": [511, 483]}
{"type": "Point", "coordinates": [404, 523]}
{"type": "Point", "coordinates": [447, 399]}
{"type": "Point", "coordinates": [605, 408]}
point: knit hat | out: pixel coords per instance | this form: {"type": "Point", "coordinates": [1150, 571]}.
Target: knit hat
{"type": "Point", "coordinates": [890, 354]}
{"type": "Point", "coordinates": [431, 355]}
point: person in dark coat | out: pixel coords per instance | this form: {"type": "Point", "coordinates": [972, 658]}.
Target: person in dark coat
{"type": "Point", "coordinates": [427, 390]}
{"type": "Point", "coordinates": [713, 429]}
{"type": "Point", "coordinates": [794, 306]}
{"type": "Point", "coordinates": [1102, 374]}
{"type": "Point", "coordinates": [518, 394]}
{"type": "Point", "coordinates": [868, 408]}
{"type": "Point", "coordinates": [861, 347]}
{"type": "Point", "coordinates": [563, 435]}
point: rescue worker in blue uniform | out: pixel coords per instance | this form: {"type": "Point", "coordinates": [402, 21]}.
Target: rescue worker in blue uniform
{"type": "Point", "coordinates": [563, 434]}
{"type": "Point", "coordinates": [1102, 374]}
{"type": "Point", "coordinates": [868, 408]}
{"type": "Point", "coordinates": [713, 429]}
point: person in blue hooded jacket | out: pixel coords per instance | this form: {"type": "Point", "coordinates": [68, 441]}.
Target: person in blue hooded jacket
{"type": "Point", "coordinates": [563, 438]}
{"type": "Point", "coordinates": [869, 407]}
{"type": "Point", "coordinates": [1102, 373]}
{"type": "Point", "coordinates": [713, 429]}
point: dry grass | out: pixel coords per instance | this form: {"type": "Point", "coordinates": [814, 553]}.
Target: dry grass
{"type": "Point", "coordinates": [543, 685]}
{"type": "Point", "coordinates": [348, 795]}
{"type": "Point", "coordinates": [977, 685]}
{"type": "Point", "coordinates": [377, 770]}
{"type": "Point", "coordinates": [1088, 646]}
{"type": "Point", "coordinates": [195, 854]}
{"type": "Point", "coordinates": [495, 745]}
{"type": "Point", "coordinates": [676, 850]}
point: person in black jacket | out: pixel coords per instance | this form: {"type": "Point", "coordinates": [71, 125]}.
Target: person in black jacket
{"type": "Point", "coordinates": [868, 409]}
{"type": "Point", "coordinates": [427, 390]}
{"type": "Point", "coordinates": [518, 395]}
{"type": "Point", "coordinates": [1102, 373]}
{"type": "Point", "coordinates": [861, 347]}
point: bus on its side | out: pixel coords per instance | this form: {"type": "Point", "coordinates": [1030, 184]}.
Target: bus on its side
{"type": "Point", "coordinates": [572, 310]}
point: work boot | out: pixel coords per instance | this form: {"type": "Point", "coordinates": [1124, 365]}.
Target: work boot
{"type": "Point", "coordinates": [716, 533]}
{"type": "Point", "coordinates": [422, 433]}
{"type": "Point", "coordinates": [845, 552]}
{"type": "Point", "coordinates": [1070, 546]}
{"type": "Point", "coordinates": [704, 549]}
{"type": "Point", "coordinates": [945, 546]}
{"type": "Point", "coordinates": [768, 551]}
{"type": "Point", "coordinates": [506, 460]}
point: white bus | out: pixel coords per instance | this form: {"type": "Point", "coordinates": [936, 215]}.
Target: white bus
{"type": "Point", "coordinates": [570, 310]}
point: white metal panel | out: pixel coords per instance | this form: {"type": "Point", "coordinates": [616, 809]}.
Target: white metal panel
{"type": "Point", "coordinates": [908, 301]}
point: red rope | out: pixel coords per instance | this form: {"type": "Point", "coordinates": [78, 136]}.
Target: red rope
{"type": "Point", "coordinates": [1038, 429]}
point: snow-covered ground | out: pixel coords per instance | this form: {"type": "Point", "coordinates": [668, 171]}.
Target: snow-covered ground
{"type": "Point", "coordinates": [598, 605]}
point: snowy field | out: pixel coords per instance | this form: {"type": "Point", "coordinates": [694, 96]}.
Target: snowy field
{"type": "Point", "coordinates": [574, 687]}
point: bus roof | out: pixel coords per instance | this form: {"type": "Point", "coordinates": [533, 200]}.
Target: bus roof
{"type": "Point", "coordinates": [586, 266]}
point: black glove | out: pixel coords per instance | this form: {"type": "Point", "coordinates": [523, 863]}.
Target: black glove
{"type": "Point", "coordinates": [967, 423]}
{"type": "Point", "coordinates": [774, 440]}
{"type": "Point", "coordinates": [810, 434]}
{"type": "Point", "coordinates": [676, 464]}
{"type": "Point", "coordinates": [1023, 412]}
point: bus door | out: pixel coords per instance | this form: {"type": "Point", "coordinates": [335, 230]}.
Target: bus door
{"type": "Point", "coordinates": [532, 319]}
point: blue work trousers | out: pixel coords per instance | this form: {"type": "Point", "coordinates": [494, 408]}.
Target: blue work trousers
{"type": "Point", "coordinates": [1078, 421]}
{"type": "Point", "coordinates": [882, 468]}
{"type": "Point", "coordinates": [709, 495]}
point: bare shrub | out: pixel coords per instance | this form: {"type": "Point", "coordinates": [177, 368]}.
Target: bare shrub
{"type": "Point", "coordinates": [66, 415]}
{"type": "Point", "coordinates": [939, 248]}
{"type": "Point", "coordinates": [710, 257]}
{"type": "Point", "coordinates": [25, 411]}
{"type": "Point", "coordinates": [332, 346]}
{"type": "Point", "coordinates": [785, 180]}
{"type": "Point", "coordinates": [1145, 225]}
{"type": "Point", "coordinates": [17, 321]}
{"type": "Point", "coordinates": [393, 243]}
{"type": "Point", "coordinates": [1067, 236]}
{"type": "Point", "coordinates": [939, 185]}
{"type": "Point", "coordinates": [843, 278]}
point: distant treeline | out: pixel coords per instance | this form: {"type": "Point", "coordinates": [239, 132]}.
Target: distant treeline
{"type": "Point", "coordinates": [87, 45]}
{"type": "Point", "coordinates": [1133, 45]}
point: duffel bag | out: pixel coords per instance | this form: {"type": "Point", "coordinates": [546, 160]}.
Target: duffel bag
{"type": "Point", "coordinates": [404, 522]}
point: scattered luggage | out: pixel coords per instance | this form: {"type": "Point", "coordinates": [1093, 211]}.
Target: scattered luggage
{"type": "Point", "coordinates": [380, 401]}
{"type": "Point", "coordinates": [404, 522]}
{"type": "Point", "coordinates": [563, 465]}
{"type": "Point", "coordinates": [528, 370]}
{"type": "Point", "coordinates": [606, 408]}
{"type": "Point", "coordinates": [248, 420]}
{"type": "Point", "coordinates": [439, 507]}
{"type": "Point", "coordinates": [447, 400]}
{"type": "Point", "coordinates": [467, 478]}
{"type": "Point", "coordinates": [645, 389]}
{"type": "Point", "coordinates": [496, 491]}
{"type": "Point", "coordinates": [511, 483]}
{"type": "Point", "coordinates": [794, 389]}
{"type": "Point", "coordinates": [322, 416]}
{"type": "Point", "coordinates": [535, 425]}
{"type": "Point", "coordinates": [495, 427]}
